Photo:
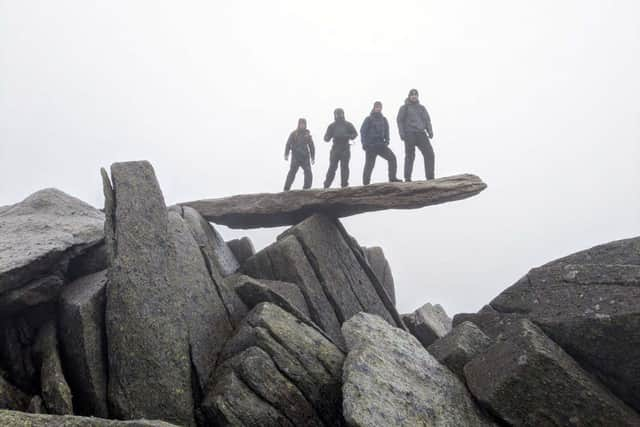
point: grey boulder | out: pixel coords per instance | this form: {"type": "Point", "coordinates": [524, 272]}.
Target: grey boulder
{"type": "Point", "coordinates": [56, 393]}
{"type": "Point", "coordinates": [389, 378]}
{"type": "Point", "coordinates": [428, 323]}
{"type": "Point", "coordinates": [528, 380]}
{"type": "Point", "coordinates": [21, 419]}
{"type": "Point", "coordinates": [283, 294]}
{"type": "Point", "coordinates": [460, 346]}
{"type": "Point", "coordinates": [382, 269]}
{"type": "Point", "coordinates": [242, 249]}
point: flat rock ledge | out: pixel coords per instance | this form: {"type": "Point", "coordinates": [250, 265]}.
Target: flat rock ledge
{"type": "Point", "coordinates": [291, 207]}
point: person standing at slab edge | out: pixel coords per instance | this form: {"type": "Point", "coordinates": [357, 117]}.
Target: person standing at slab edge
{"type": "Point", "coordinates": [415, 129]}
{"type": "Point", "coordinates": [374, 134]}
{"type": "Point", "coordinates": [303, 154]}
{"type": "Point", "coordinates": [341, 131]}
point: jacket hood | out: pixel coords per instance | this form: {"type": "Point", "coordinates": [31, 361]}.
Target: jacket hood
{"type": "Point", "coordinates": [408, 102]}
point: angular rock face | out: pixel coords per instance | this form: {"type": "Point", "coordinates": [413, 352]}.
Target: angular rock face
{"type": "Point", "coordinates": [381, 267]}
{"type": "Point", "coordinates": [207, 320]}
{"type": "Point", "coordinates": [84, 347]}
{"type": "Point", "coordinates": [19, 419]}
{"type": "Point", "coordinates": [527, 379]}
{"type": "Point", "coordinates": [11, 397]}
{"type": "Point", "coordinates": [40, 291]}
{"type": "Point", "coordinates": [41, 233]}
{"type": "Point", "coordinates": [428, 323]}
{"type": "Point", "coordinates": [292, 207]}
{"type": "Point", "coordinates": [55, 390]}
{"type": "Point", "coordinates": [276, 368]}
{"type": "Point", "coordinates": [588, 303]}
{"type": "Point", "coordinates": [242, 249]}
{"type": "Point", "coordinates": [283, 294]}
{"type": "Point", "coordinates": [390, 379]}
{"type": "Point", "coordinates": [459, 347]}
{"type": "Point", "coordinates": [148, 348]}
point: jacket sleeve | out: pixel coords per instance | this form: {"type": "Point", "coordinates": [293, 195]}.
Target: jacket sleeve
{"type": "Point", "coordinates": [312, 148]}
{"type": "Point", "coordinates": [352, 131]}
{"type": "Point", "coordinates": [400, 119]}
{"type": "Point", "coordinates": [364, 131]}
{"type": "Point", "coordinates": [386, 131]}
{"type": "Point", "coordinates": [428, 122]}
{"type": "Point", "coordinates": [287, 147]}
{"type": "Point", "coordinates": [329, 133]}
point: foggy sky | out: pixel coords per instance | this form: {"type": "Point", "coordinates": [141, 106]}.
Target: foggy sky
{"type": "Point", "coordinates": [540, 99]}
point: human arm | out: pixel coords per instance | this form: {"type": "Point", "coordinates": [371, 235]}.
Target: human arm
{"type": "Point", "coordinates": [287, 147]}
{"type": "Point", "coordinates": [312, 149]}
{"type": "Point", "coordinates": [386, 131]}
{"type": "Point", "coordinates": [428, 122]}
{"type": "Point", "coordinates": [400, 119]}
{"type": "Point", "coordinates": [364, 132]}
{"type": "Point", "coordinates": [329, 133]}
{"type": "Point", "coordinates": [353, 133]}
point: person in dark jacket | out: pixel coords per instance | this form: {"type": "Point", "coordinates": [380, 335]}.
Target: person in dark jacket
{"type": "Point", "coordinates": [374, 134]}
{"type": "Point", "coordinates": [341, 131]}
{"type": "Point", "coordinates": [303, 153]}
{"type": "Point", "coordinates": [415, 129]}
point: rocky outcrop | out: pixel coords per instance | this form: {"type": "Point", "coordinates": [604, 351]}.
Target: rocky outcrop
{"type": "Point", "coordinates": [527, 379]}
{"type": "Point", "coordinates": [147, 338]}
{"type": "Point", "coordinates": [283, 294]}
{"type": "Point", "coordinates": [390, 379]}
{"type": "Point", "coordinates": [307, 255]}
{"type": "Point", "coordinates": [460, 346]}
{"type": "Point", "coordinates": [42, 233]}
{"type": "Point", "coordinates": [83, 342]}
{"type": "Point", "coordinates": [292, 207]}
{"type": "Point", "coordinates": [428, 323]}
{"type": "Point", "coordinates": [56, 393]}
{"type": "Point", "coordinates": [382, 269]}
{"type": "Point", "coordinates": [20, 419]}
{"type": "Point", "coordinates": [588, 303]}
{"type": "Point", "coordinates": [37, 292]}
{"type": "Point", "coordinates": [276, 370]}
{"type": "Point", "coordinates": [242, 249]}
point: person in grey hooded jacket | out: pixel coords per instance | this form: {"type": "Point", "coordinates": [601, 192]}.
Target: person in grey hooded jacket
{"type": "Point", "coordinates": [374, 133]}
{"type": "Point", "coordinates": [303, 154]}
{"type": "Point", "coordinates": [341, 132]}
{"type": "Point", "coordinates": [415, 129]}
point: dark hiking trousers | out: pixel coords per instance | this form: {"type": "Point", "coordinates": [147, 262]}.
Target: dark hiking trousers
{"type": "Point", "coordinates": [296, 163]}
{"type": "Point", "coordinates": [420, 140]}
{"type": "Point", "coordinates": [342, 155]}
{"type": "Point", "coordinates": [371, 153]}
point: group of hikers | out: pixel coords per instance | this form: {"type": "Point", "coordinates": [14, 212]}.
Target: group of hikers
{"type": "Point", "coordinates": [415, 130]}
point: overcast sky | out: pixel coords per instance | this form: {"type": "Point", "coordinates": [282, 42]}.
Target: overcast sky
{"type": "Point", "coordinates": [538, 98]}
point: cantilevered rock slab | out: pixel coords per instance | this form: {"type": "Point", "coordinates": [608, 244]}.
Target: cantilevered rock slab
{"type": "Point", "coordinates": [38, 234]}
{"type": "Point", "coordinates": [21, 419]}
{"type": "Point", "coordinates": [289, 208]}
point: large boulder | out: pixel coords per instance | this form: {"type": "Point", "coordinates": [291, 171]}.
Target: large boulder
{"type": "Point", "coordinates": [588, 303]}
{"type": "Point", "coordinates": [276, 367]}
{"type": "Point", "coordinates": [428, 323]}
{"type": "Point", "coordinates": [390, 379]}
{"type": "Point", "coordinates": [147, 335]}
{"type": "Point", "coordinates": [380, 265]}
{"type": "Point", "coordinates": [208, 321]}
{"type": "Point", "coordinates": [84, 346]}
{"type": "Point", "coordinates": [283, 294]}
{"type": "Point", "coordinates": [460, 346]}
{"type": "Point", "coordinates": [291, 207]}
{"type": "Point", "coordinates": [56, 393]}
{"type": "Point", "coordinates": [21, 419]}
{"type": "Point", "coordinates": [242, 249]}
{"type": "Point", "coordinates": [528, 380]}
{"type": "Point", "coordinates": [37, 292]}
{"type": "Point", "coordinates": [42, 233]}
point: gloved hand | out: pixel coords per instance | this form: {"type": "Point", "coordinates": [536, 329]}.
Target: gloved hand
{"type": "Point", "coordinates": [286, 157]}
{"type": "Point", "coordinates": [313, 161]}
{"type": "Point", "coordinates": [430, 135]}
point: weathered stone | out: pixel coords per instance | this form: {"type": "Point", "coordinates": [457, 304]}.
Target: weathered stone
{"type": "Point", "coordinates": [206, 316]}
{"type": "Point", "coordinates": [11, 397]}
{"type": "Point", "coordinates": [38, 292]}
{"type": "Point", "coordinates": [55, 390]}
{"type": "Point", "coordinates": [428, 323]}
{"type": "Point", "coordinates": [17, 337]}
{"type": "Point", "coordinates": [242, 249]}
{"type": "Point", "coordinates": [306, 360]}
{"type": "Point", "coordinates": [211, 243]}
{"type": "Point", "coordinates": [459, 347]}
{"type": "Point", "coordinates": [41, 233]}
{"type": "Point", "coordinates": [283, 294]}
{"type": "Point", "coordinates": [491, 322]}
{"type": "Point", "coordinates": [84, 347]}
{"type": "Point", "coordinates": [291, 207]}
{"type": "Point", "coordinates": [588, 303]}
{"type": "Point", "coordinates": [21, 419]}
{"type": "Point", "coordinates": [95, 259]}
{"type": "Point", "coordinates": [36, 406]}
{"type": "Point", "coordinates": [390, 379]}
{"type": "Point", "coordinates": [382, 269]}
{"type": "Point", "coordinates": [340, 271]}
{"type": "Point", "coordinates": [147, 336]}
{"type": "Point", "coordinates": [528, 380]}
{"type": "Point", "coordinates": [286, 261]}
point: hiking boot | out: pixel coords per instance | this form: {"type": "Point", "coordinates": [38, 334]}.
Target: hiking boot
{"type": "Point", "coordinates": [394, 180]}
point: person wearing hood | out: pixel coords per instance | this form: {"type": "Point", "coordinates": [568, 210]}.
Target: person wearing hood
{"type": "Point", "coordinates": [341, 131]}
{"type": "Point", "coordinates": [374, 134]}
{"type": "Point", "coordinates": [303, 153]}
{"type": "Point", "coordinates": [415, 129]}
